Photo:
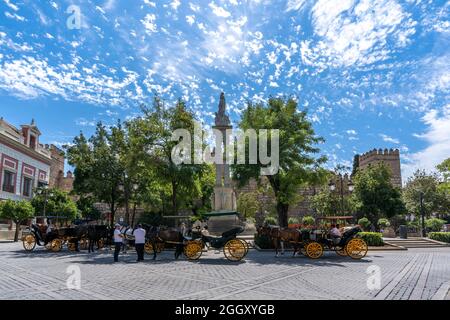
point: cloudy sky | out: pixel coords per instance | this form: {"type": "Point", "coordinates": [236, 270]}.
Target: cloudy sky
{"type": "Point", "coordinates": [372, 73]}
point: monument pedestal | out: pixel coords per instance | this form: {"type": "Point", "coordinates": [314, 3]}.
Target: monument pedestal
{"type": "Point", "coordinates": [224, 199]}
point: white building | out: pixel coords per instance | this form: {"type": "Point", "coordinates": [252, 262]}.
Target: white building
{"type": "Point", "coordinates": [24, 163]}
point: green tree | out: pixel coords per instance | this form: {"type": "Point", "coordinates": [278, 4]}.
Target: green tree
{"type": "Point", "coordinates": [383, 223]}
{"type": "Point", "coordinates": [248, 204]}
{"type": "Point", "coordinates": [185, 185]}
{"type": "Point", "coordinates": [444, 170]}
{"type": "Point", "coordinates": [98, 170]}
{"type": "Point", "coordinates": [308, 220]}
{"type": "Point", "coordinates": [17, 211]}
{"type": "Point", "coordinates": [299, 164]}
{"type": "Point", "coordinates": [374, 195]}
{"type": "Point", "coordinates": [364, 223]}
{"type": "Point", "coordinates": [85, 205]}
{"type": "Point", "coordinates": [328, 203]}
{"type": "Point", "coordinates": [56, 203]}
{"type": "Point", "coordinates": [434, 224]}
{"type": "Point", "coordinates": [435, 199]}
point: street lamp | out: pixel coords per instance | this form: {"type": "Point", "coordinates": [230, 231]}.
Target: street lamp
{"type": "Point", "coordinates": [332, 187]}
{"type": "Point", "coordinates": [44, 190]}
{"type": "Point", "coordinates": [422, 213]}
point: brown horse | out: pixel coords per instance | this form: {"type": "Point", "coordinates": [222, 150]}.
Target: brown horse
{"type": "Point", "coordinates": [157, 235]}
{"type": "Point", "coordinates": [279, 236]}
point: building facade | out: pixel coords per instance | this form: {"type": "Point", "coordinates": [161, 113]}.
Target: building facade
{"type": "Point", "coordinates": [24, 162]}
{"type": "Point", "coordinates": [57, 177]}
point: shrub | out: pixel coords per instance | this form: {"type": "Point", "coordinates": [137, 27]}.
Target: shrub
{"type": "Point", "coordinates": [308, 220]}
{"type": "Point", "coordinates": [263, 241]}
{"type": "Point", "coordinates": [383, 223]}
{"type": "Point", "coordinates": [364, 223]}
{"type": "Point", "coordinates": [440, 236]}
{"type": "Point", "coordinates": [293, 220]}
{"type": "Point", "coordinates": [372, 238]}
{"type": "Point", "coordinates": [434, 224]}
{"type": "Point", "coordinates": [271, 221]}
{"type": "Point", "coordinates": [250, 220]}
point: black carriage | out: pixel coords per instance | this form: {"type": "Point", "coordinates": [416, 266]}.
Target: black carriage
{"type": "Point", "coordinates": [234, 249]}
{"type": "Point", "coordinates": [350, 244]}
{"type": "Point", "coordinates": [53, 240]}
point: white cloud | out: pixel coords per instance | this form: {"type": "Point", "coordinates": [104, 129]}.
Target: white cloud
{"type": "Point", "coordinates": [294, 5]}
{"type": "Point", "coordinates": [351, 132]}
{"type": "Point", "coordinates": [190, 19]}
{"type": "Point", "coordinates": [219, 11]}
{"type": "Point", "coordinates": [387, 138]}
{"type": "Point", "coordinates": [175, 4]}
{"type": "Point", "coordinates": [351, 33]}
{"type": "Point", "coordinates": [149, 23]}
{"type": "Point", "coordinates": [438, 138]}
{"type": "Point", "coordinates": [11, 5]}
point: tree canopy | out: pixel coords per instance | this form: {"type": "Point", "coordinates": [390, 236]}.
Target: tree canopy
{"type": "Point", "coordinates": [299, 164]}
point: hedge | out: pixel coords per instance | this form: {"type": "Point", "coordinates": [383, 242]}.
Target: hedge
{"type": "Point", "coordinates": [440, 236]}
{"type": "Point", "coordinates": [374, 239]}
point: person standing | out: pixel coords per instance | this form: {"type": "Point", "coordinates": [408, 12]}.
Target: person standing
{"type": "Point", "coordinates": [118, 240]}
{"type": "Point", "coordinates": [139, 241]}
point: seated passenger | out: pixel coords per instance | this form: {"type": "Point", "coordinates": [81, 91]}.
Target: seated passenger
{"type": "Point", "coordinates": [335, 233]}
{"type": "Point", "coordinates": [205, 232]}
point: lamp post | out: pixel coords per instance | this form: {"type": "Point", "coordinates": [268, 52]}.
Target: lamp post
{"type": "Point", "coordinates": [422, 213]}
{"type": "Point", "coordinates": [44, 191]}
{"type": "Point", "coordinates": [126, 192]}
{"type": "Point", "coordinates": [350, 186]}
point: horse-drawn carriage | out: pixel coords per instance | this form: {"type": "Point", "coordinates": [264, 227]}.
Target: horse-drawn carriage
{"type": "Point", "coordinates": [350, 244]}
{"type": "Point", "coordinates": [234, 249]}
{"type": "Point", "coordinates": [53, 239]}
{"type": "Point", "coordinates": [313, 242]}
{"type": "Point", "coordinates": [194, 244]}
{"type": "Point", "coordinates": [82, 236]}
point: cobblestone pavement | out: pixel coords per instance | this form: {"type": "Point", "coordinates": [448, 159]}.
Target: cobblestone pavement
{"type": "Point", "coordinates": [412, 274]}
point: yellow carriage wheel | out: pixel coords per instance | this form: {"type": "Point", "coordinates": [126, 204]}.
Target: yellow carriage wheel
{"type": "Point", "coordinates": [56, 245]}
{"type": "Point", "coordinates": [84, 244]}
{"type": "Point", "coordinates": [341, 251]}
{"type": "Point", "coordinates": [193, 249]}
{"type": "Point", "coordinates": [356, 248]}
{"type": "Point", "coordinates": [71, 246]}
{"type": "Point", "coordinates": [29, 242]}
{"type": "Point", "coordinates": [235, 250]}
{"type": "Point", "coordinates": [314, 250]}
{"type": "Point", "coordinates": [148, 247]}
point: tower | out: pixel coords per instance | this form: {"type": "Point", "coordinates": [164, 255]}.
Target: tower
{"type": "Point", "coordinates": [224, 197]}
{"type": "Point", "coordinates": [391, 158]}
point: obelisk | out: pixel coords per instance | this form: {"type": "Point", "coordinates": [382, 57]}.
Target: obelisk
{"type": "Point", "coordinates": [224, 198]}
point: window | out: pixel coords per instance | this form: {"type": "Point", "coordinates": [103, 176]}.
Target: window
{"type": "Point", "coordinates": [8, 181]}
{"type": "Point", "coordinates": [41, 184]}
{"type": "Point", "coordinates": [27, 185]}
{"type": "Point", "coordinates": [33, 142]}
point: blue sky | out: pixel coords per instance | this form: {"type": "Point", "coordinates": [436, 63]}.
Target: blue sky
{"type": "Point", "coordinates": [373, 74]}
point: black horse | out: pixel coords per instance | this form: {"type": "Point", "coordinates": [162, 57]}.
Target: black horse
{"type": "Point", "coordinates": [95, 234]}
{"type": "Point", "coordinates": [155, 235]}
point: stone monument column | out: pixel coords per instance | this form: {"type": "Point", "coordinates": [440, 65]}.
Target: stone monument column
{"type": "Point", "coordinates": [224, 197]}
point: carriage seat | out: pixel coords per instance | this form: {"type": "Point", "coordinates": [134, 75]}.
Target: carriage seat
{"type": "Point", "coordinates": [233, 231]}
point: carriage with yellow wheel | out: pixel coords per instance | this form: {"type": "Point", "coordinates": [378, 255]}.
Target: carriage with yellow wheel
{"type": "Point", "coordinates": [52, 239]}
{"type": "Point", "coordinates": [350, 244]}
{"type": "Point", "coordinates": [234, 249]}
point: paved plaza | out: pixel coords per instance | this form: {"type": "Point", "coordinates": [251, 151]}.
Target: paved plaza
{"type": "Point", "coordinates": [412, 274]}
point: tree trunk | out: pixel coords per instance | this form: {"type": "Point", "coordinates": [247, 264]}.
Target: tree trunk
{"type": "Point", "coordinates": [112, 208]}
{"type": "Point", "coordinates": [134, 215]}
{"type": "Point", "coordinates": [174, 197]}
{"type": "Point", "coordinates": [282, 210]}
{"type": "Point", "coordinates": [16, 235]}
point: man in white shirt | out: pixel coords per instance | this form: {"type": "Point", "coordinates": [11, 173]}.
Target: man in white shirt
{"type": "Point", "coordinates": [139, 242]}
{"type": "Point", "coordinates": [118, 239]}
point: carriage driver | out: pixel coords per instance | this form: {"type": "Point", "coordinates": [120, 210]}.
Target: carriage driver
{"type": "Point", "coordinates": [335, 233]}
{"type": "Point", "coordinates": [118, 239]}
